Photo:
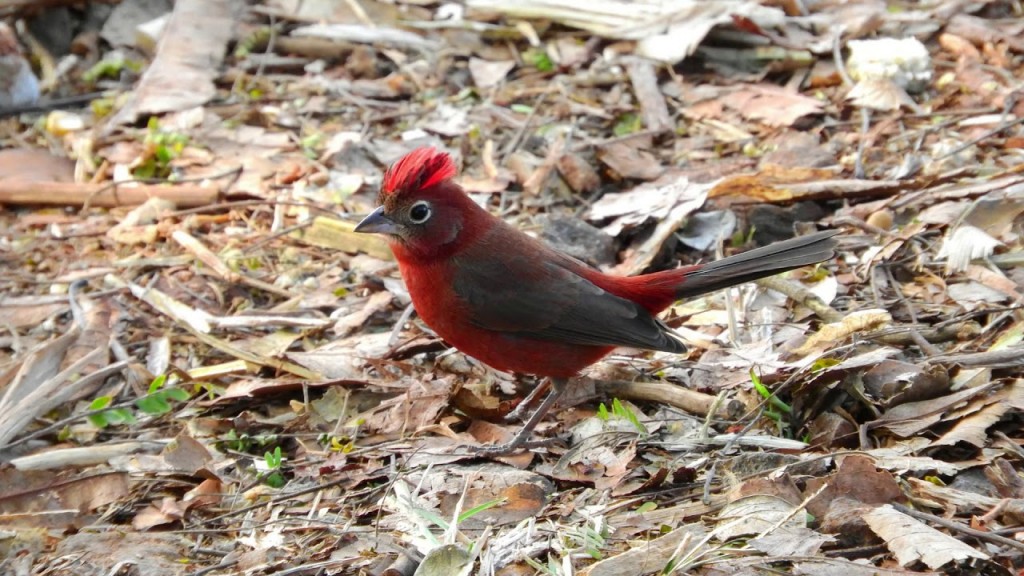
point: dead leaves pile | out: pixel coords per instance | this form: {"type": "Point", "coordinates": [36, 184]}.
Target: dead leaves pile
{"type": "Point", "coordinates": [210, 373]}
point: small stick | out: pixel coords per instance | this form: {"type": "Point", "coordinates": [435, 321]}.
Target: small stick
{"type": "Point", "coordinates": [102, 195]}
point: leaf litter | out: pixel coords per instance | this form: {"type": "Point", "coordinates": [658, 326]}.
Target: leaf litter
{"type": "Point", "coordinates": [203, 370]}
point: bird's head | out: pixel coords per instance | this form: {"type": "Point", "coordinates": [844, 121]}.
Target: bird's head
{"type": "Point", "coordinates": [422, 212]}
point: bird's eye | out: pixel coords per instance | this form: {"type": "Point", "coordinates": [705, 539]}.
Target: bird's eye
{"type": "Point", "coordinates": [419, 213]}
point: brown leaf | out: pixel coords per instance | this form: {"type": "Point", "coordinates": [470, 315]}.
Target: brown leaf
{"type": "Point", "coordinates": [856, 479]}
{"type": "Point", "coordinates": [773, 105]}
{"type": "Point", "coordinates": [420, 406]}
{"type": "Point", "coordinates": [627, 160]}
{"type": "Point", "coordinates": [34, 165]}
{"type": "Point", "coordinates": [186, 455]}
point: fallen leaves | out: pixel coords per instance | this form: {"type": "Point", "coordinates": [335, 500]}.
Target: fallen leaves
{"type": "Point", "coordinates": [321, 421]}
{"type": "Point", "coordinates": [913, 541]}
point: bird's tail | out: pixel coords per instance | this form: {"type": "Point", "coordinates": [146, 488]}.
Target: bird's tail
{"type": "Point", "coordinates": [658, 290]}
{"type": "Point", "coordinates": [757, 263]}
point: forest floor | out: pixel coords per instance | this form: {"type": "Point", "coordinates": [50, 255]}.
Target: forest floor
{"type": "Point", "coordinates": [203, 370]}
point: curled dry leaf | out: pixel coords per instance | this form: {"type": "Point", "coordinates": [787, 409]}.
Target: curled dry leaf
{"type": "Point", "coordinates": [914, 541]}
{"type": "Point", "coordinates": [853, 323]}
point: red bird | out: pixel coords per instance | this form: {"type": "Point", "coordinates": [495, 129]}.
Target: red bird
{"type": "Point", "coordinates": [518, 305]}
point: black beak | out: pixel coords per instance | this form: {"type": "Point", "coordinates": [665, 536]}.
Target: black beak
{"type": "Point", "coordinates": [376, 222]}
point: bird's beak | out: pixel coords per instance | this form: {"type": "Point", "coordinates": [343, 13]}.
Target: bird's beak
{"type": "Point", "coordinates": [377, 223]}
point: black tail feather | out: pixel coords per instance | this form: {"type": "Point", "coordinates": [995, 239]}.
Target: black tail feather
{"type": "Point", "coordinates": [759, 263]}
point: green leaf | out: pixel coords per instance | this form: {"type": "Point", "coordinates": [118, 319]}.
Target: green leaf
{"type": "Point", "coordinates": [119, 416]}
{"type": "Point", "coordinates": [647, 507]}
{"type": "Point", "coordinates": [212, 390]}
{"type": "Point", "coordinates": [100, 403]}
{"type": "Point", "coordinates": [432, 518]}
{"type": "Point", "coordinates": [163, 154]}
{"type": "Point", "coordinates": [273, 459]}
{"type": "Point", "coordinates": [157, 383]}
{"type": "Point", "coordinates": [773, 400]}
{"type": "Point", "coordinates": [98, 420]}
{"type": "Point", "coordinates": [539, 59]}
{"type": "Point", "coordinates": [478, 509]}
{"type": "Point", "coordinates": [620, 410]}
{"type": "Point", "coordinates": [177, 394]}
{"type": "Point", "coordinates": [628, 123]}
{"type": "Point", "coordinates": [109, 68]}
{"type": "Point", "coordinates": [153, 405]}
{"type": "Point", "coordinates": [146, 170]}
{"type": "Point", "coordinates": [275, 480]}
{"type": "Point", "coordinates": [823, 363]}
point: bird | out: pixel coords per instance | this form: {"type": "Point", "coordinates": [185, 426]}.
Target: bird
{"type": "Point", "coordinates": [516, 304]}
{"type": "Point", "coordinates": [18, 84]}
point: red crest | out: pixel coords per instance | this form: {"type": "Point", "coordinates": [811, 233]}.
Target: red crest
{"type": "Point", "coordinates": [418, 170]}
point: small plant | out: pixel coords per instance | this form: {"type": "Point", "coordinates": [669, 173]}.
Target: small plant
{"type": "Point", "coordinates": [539, 59]}
{"type": "Point", "coordinates": [553, 568]}
{"type": "Point", "coordinates": [591, 538]}
{"type": "Point", "coordinates": [311, 145]}
{"type": "Point", "coordinates": [257, 39]}
{"type": "Point", "coordinates": [342, 444]}
{"type": "Point", "coordinates": [628, 123]}
{"type": "Point", "coordinates": [823, 364]}
{"type": "Point", "coordinates": [739, 238]}
{"type": "Point", "coordinates": [269, 466]}
{"type": "Point", "coordinates": [774, 403]}
{"type": "Point", "coordinates": [273, 461]}
{"type": "Point", "coordinates": [110, 417]}
{"type": "Point", "coordinates": [619, 410]}
{"type": "Point", "coordinates": [160, 148]}
{"type": "Point", "coordinates": [110, 68]}
{"type": "Point", "coordinates": [238, 442]}
{"type": "Point", "coordinates": [156, 402]}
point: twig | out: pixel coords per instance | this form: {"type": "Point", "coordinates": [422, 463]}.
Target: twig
{"type": "Point", "coordinates": [204, 255]}
{"type": "Point", "coordinates": [275, 235]}
{"type": "Point", "coordinates": [1008, 358]}
{"type": "Point", "coordinates": [518, 136]}
{"type": "Point", "coordinates": [243, 204]}
{"type": "Point", "coordinates": [837, 55]}
{"type": "Point", "coordinates": [685, 399]}
{"type": "Point", "coordinates": [101, 195]}
{"type": "Point", "coordinates": [613, 140]}
{"type": "Point", "coordinates": [973, 141]}
{"type": "Point", "coordinates": [803, 296]}
{"type": "Point", "coordinates": [865, 125]}
{"type": "Point", "coordinates": [958, 527]}
{"type": "Point", "coordinates": [397, 330]}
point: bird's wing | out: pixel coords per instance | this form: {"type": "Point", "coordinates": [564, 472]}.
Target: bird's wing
{"type": "Point", "coordinates": [535, 292]}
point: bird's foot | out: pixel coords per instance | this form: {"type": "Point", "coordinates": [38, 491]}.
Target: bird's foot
{"type": "Point", "coordinates": [518, 414]}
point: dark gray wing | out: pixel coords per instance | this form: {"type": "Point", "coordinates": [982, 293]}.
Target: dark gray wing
{"type": "Point", "coordinates": [534, 292]}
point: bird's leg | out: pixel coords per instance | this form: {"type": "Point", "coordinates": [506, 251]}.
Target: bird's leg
{"type": "Point", "coordinates": [521, 437]}
{"type": "Point", "coordinates": [519, 412]}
